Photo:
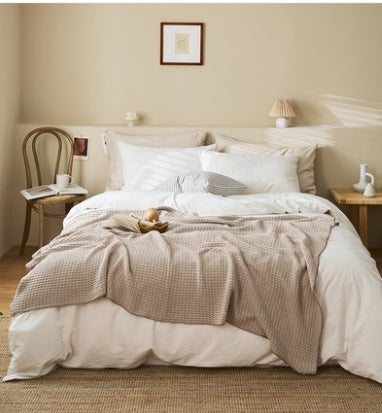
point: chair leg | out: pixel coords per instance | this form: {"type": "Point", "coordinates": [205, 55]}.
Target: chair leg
{"type": "Point", "coordinates": [27, 227]}
{"type": "Point", "coordinates": [41, 222]}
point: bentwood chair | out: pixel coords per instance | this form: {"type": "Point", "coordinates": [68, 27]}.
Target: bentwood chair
{"type": "Point", "coordinates": [41, 144]}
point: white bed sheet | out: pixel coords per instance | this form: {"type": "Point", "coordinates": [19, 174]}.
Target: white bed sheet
{"type": "Point", "coordinates": [102, 334]}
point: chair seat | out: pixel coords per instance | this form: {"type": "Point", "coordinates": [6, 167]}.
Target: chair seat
{"type": "Point", "coordinates": [58, 199]}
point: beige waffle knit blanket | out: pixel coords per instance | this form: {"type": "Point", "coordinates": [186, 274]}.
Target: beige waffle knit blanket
{"type": "Point", "coordinates": [257, 274]}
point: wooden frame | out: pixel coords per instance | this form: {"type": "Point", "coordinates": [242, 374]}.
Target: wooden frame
{"type": "Point", "coordinates": [181, 43]}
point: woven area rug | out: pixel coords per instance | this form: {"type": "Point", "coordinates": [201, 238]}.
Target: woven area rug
{"type": "Point", "coordinates": [181, 389]}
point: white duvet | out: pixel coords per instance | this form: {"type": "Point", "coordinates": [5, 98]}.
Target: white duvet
{"type": "Point", "coordinates": [102, 334]}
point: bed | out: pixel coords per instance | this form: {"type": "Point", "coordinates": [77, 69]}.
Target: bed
{"type": "Point", "coordinates": [210, 185]}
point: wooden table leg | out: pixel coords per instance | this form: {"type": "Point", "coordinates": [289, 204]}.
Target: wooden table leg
{"type": "Point", "coordinates": [41, 222]}
{"type": "Point", "coordinates": [354, 216]}
{"type": "Point", "coordinates": [363, 224]}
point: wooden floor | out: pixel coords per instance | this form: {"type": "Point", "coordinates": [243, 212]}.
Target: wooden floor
{"type": "Point", "coordinates": [12, 269]}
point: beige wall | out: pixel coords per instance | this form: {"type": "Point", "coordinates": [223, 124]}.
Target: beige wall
{"type": "Point", "coordinates": [90, 63]}
{"type": "Point", "coordinates": [87, 64]}
{"type": "Point", "coordinates": [9, 109]}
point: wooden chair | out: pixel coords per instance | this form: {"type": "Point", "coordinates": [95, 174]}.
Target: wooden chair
{"type": "Point", "coordinates": [30, 150]}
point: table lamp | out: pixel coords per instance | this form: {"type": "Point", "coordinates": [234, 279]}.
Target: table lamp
{"type": "Point", "coordinates": [282, 110]}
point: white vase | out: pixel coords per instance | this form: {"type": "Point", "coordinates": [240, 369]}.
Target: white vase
{"type": "Point", "coordinates": [361, 185]}
{"type": "Point", "coordinates": [369, 191]}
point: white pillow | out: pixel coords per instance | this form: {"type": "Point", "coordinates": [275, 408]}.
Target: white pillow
{"type": "Point", "coordinates": [261, 173]}
{"type": "Point", "coordinates": [115, 180]}
{"type": "Point", "coordinates": [203, 181]}
{"type": "Point", "coordinates": [306, 156]}
{"type": "Point", "coordinates": [147, 167]}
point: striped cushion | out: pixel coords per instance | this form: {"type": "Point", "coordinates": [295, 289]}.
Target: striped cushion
{"type": "Point", "coordinates": [203, 181]}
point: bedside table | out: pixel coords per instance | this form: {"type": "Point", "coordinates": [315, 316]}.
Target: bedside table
{"type": "Point", "coordinates": [358, 207]}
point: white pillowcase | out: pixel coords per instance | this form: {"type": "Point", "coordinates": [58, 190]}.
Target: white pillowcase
{"type": "Point", "coordinates": [260, 173]}
{"type": "Point", "coordinates": [147, 167]}
{"type": "Point", "coordinates": [115, 178]}
{"type": "Point", "coordinates": [306, 156]}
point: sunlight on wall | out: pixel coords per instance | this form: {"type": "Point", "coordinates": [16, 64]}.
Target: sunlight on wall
{"type": "Point", "coordinates": [320, 135]}
{"type": "Point", "coordinates": [353, 112]}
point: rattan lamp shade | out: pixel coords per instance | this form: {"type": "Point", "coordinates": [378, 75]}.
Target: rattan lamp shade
{"type": "Point", "coordinates": [282, 110]}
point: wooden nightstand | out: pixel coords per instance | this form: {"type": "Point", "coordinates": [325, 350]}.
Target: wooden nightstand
{"type": "Point", "coordinates": [358, 207]}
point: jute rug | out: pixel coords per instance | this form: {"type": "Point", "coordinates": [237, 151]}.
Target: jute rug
{"type": "Point", "coordinates": [179, 389]}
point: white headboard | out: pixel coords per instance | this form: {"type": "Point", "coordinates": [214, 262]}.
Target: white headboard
{"type": "Point", "coordinates": [340, 151]}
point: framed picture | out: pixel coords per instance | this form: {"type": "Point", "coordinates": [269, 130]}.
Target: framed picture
{"type": "Point", "coordinates": [181, 44]}
{"type": "Point", "coordinates": [81, 148]}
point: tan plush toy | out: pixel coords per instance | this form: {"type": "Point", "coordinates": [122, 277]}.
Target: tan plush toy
{"type": "Point", "coordinates": [151, 215]}
{"type": "Point", "coordinates": [135, 224]}
{"type": "Point", "coordinates": [152, 222]}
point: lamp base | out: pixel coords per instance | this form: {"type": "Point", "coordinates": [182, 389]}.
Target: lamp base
{"type": "Point", "coordinates": [282, 122]}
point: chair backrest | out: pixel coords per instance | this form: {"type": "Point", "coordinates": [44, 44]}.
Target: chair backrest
{"type": "Point", "coordinates": [63, 158]}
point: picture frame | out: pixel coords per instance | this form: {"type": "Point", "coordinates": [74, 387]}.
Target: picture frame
{"type": "Point", "coordinates": [81, 147]}
{"type": "Point", "coordinates": [181, 43]}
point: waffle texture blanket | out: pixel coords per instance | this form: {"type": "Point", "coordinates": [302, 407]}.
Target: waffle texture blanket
{"type": "Point", "coordinates": [255, 273]}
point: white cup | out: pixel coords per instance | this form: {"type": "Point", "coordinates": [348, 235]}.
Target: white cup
{"type": "Point", "coordinates": [62, 181]}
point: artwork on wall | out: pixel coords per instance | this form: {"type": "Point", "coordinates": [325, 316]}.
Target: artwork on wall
{"type": "Point", "coordinates": [81, 147]}
{"type": "Point", "coordinates": [181, 44]}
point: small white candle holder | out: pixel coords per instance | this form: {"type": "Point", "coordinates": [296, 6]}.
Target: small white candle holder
{"type": "Point", "coordinates": [132, 118]}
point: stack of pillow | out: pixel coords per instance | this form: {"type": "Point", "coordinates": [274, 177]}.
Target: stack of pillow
{"type": "Point", "coordinates": [181, 163]}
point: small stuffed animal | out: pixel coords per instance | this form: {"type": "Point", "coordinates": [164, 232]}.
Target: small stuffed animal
{"type": "Point", "coordinates": [132, 223]}
{"type": "Point", "coordinates": [151, 222]}
{"type": "Point", "coordinates": [151, 215]}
